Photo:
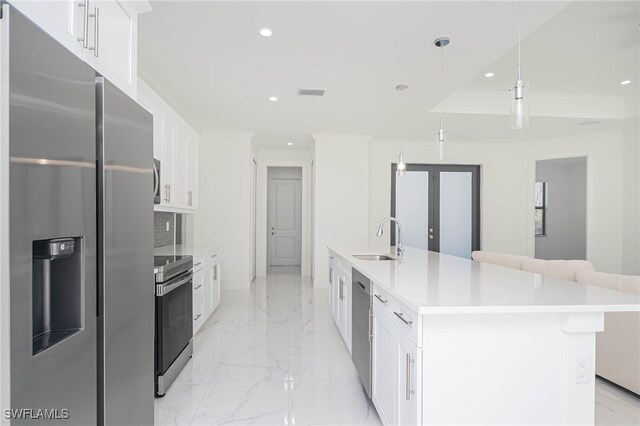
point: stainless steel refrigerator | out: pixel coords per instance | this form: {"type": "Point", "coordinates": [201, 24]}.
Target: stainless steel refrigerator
{"type": "Point", "coordinates": [81, 239]}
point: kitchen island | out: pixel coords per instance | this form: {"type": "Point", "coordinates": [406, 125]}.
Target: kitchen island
{"type": "Point", "coordinates": [462, 342]}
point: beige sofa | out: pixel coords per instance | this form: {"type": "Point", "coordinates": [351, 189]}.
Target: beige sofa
{"type": "Point", "coordinates": [618, 347]}
{"type": "Point", "coordinates": [502, 259]}
{"type": "Point", "coordinates": [564, 269]}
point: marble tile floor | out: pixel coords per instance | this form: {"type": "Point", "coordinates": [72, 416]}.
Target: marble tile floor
{"type": "Point", "coordinates": [273, 356]}
{"type": "Point", "coordinates": [269, 356]}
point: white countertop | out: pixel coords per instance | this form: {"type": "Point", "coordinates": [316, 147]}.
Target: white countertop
{"type": "Point", "coordinates": [434, 283]}
{"type": "Point", "coordinates": [181, 250]}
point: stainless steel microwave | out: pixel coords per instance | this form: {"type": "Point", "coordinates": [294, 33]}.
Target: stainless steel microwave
{"type": "Point", "coordinates": [156, 181]}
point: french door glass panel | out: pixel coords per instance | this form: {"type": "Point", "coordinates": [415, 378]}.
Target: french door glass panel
{"type": "Point", "coordinates": [456, 213]}
{"type": "Point", "coordinates": [438, 207]}
{"type": "Point", "coordinates": [412, 207]}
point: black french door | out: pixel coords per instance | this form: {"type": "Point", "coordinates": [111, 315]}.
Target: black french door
{"type": "Point", "coordinates": [438, 207]}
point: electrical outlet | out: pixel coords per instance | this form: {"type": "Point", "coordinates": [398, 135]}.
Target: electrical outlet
{"type": "Point", "coordinates": [583, 370]}
{"type": "Point", "coordinates": [168, 227]}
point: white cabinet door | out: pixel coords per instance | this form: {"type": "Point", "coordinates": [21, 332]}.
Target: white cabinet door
{"type": "Point", "coordinates": [383, 363]}
{"type": "Point", "coordinates": [112, 43]}
{"type": "Point", "coordinates": [192, 173]}
{"type": "Point", "coordinates": [208, 290]}
{"type": "Point", "coordinates": [409, 373]}
{"type": "Point", "coordinates": [215, 279]}
{"type": "Point", "coordinates": [180, 178]}
{"type": "Point", "coordinates": [348, 292]}
{"type": "Point", "coordinates": [198, 300]}
{"type": "Point", "coordinates": [341, 295]}
{"type": "Point", "coordinates": [61, 19]}
{"type": "Point", "coordinates": [333, 285]}
{"type": "Point", "coordinates": [158, 125]}
{"type": "Point", "coordinates": [167, 168]}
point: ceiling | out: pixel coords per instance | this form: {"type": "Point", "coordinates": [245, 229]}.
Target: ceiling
{"type": "Point", "coordinates": [216, 71]}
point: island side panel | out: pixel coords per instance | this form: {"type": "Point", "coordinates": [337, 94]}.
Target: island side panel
{"type": "Point", "coordinates": [508, 368]}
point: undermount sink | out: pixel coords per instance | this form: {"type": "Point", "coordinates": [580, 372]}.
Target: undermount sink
{"type": "Point", "coordinates": [373, 257]}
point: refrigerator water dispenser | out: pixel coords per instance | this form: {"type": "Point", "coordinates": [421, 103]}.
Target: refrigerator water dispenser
{"type": "Point", "coordinates": [57, 291]}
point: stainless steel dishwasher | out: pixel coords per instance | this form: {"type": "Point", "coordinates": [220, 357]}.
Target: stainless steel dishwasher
{"type": "Point", "coordinates": [362, 310]}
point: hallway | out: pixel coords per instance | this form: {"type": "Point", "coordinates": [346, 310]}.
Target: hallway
{"type": "Point", "coordinates": [269, 356]}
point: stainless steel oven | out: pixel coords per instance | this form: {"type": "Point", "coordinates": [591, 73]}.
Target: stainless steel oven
{"type": "Point", "coordinates": [174, 318]}
{"type": "Point", "coordinates": [156, 181]}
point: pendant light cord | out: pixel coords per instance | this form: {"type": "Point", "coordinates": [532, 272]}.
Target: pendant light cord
{"type": "Point", "coordinates": [441, 78]}
{"type": "Point", "coordinates": [519, 33]}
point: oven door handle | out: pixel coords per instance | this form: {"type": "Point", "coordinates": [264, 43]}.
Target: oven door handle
{"type": "Point", "coordinates": [162, 289]}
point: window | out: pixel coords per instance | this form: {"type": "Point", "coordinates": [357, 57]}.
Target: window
{"type": "Point", "coordinates": [541, 208]}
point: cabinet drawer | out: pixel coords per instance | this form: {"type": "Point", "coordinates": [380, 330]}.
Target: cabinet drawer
{"type": "Point", "coordinates": [382, 300]}
{"type": "Point", "coordinates": [409, 322]}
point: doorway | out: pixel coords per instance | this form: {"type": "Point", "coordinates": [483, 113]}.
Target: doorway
{"type": "Point", "coordinates": [284, 217]}
{"type": "Point", "coordinates": [438, 207]}
{"type": "Point", "coordinates": [561, 208]}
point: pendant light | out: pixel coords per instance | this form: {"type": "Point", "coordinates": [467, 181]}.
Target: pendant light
{"type": "Point", "coordinates": [520, 90]}
{"type": "Point", "coordinates": [402, 166]}
{"type": "Point", "coordinates": [441, 42]}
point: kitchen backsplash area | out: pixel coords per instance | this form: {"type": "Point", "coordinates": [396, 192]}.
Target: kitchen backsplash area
{"type": "Point", "coordinates": [164, 229]}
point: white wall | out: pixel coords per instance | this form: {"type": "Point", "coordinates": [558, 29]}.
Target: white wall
{"type": "Point", "coordinates": [276, 158]}
{"type": "Point", "coordinates": [604, 191]}
{"type": "Point", "coordinates": [631, 190]}
{"type": "Point", "coordinates": [223, 217]}
{"type": "Point", "coordinates": [566, 212]}
{"type": "Point", "coordinates": [341, 197]}
{"type": "Point", "coordinates": [503, 199]}
{"type": "Point", "coordinates": [507, 185]}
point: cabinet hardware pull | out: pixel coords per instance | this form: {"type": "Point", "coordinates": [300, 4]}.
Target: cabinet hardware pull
{"type": "Point", "coordinates": [401, 316]}
{"type": "Point", "coordinates": [198, 316]}
{"type": "Point", "coordinates": [96, 31]}
{"type": "Point", "coordinates": [370, 325]}
{"type": "Point", "coordinates": [215, 272]}
{"type": "Point", "coordinates": [85, 23]}
{"type": "Point", "coordinates": [379, 297]}
{"type": "Point", "coordinates": [408, 391]}
{"type": "Point", "coordinates": [330, 275]}
{"type": "Point", "coordinates": [341, 287]}
{"type": "Point", "coordinates": [361, 285]}
{"type": "Point", "coordinates": [198, 286]}
{"type": "Point", "coordinates": [198, 264]}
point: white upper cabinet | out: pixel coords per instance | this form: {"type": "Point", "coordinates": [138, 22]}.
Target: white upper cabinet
{"type": "Point", "coordinates": [60, 19]}
{"type": "Point", "coordinates": [103, 33]}
{"type": "Point", "coordinates": [175, 144]}
{"type": "Point", "coordinates": [192, 173]}
{"type": "Point", "coordinates": [181, 169]}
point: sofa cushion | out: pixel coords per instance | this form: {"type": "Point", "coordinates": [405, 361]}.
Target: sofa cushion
{"type": "Point", "coordinates": [625, 283]}
{"type": "Point", "coordinates": [618, 347]}
{"type": "Point", "coordinates": [503, 259]}
{"type": "Point", "coordinates": [564, 269]}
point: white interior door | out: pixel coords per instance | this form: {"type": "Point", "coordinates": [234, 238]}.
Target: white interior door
{"type": "Point", "coordinates": [284, 229]}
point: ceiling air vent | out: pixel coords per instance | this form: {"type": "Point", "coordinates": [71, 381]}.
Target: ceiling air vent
{"type": "Point", "coordinates": [310, 92]}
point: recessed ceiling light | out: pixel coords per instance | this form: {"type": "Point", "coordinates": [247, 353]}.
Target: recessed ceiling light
{"type": "Point", "coordinates": [289, 143]}
{"type": "Point", "coordinates": [489, 74]}
{"type": "Point", "coordinates": [266, 32]}
{"type": "Point", "coordinates": [273, 98]}
{"type": "Point", "coordinates": [625, 82]}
